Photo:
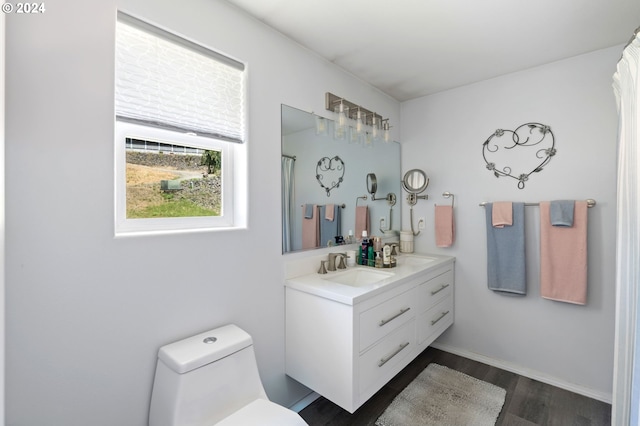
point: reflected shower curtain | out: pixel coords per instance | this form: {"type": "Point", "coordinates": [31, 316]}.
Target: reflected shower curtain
{"type": "Point", "coordinates": [287, 202]}
{"type": "Point", "coordinates": [626, 387]}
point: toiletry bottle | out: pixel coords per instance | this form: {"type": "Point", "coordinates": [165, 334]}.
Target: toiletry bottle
{"type": "Point", "coordinates": [350, 238]}
{"type": "Point", "coordinates": [371, 257]}
{"type": "Point", "coordinates": [359, 256]}
{"type": "Point", "coordinates": [377, 243]}
{"type": "Point", "coordinates": [386, 256]}
{"type": "Point", "coordinates": [378, 260]}
{"type": "Point", "coordinates": [394, 253]}
{"type": "Point", "coordinates": [365, 248]}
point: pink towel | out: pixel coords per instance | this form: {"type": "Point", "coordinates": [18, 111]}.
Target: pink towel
{"type": "Point", "coordinates": [445, 227]}
{"type": "Point", "coordinates": [310, 229]}
{"type": "Point", "coordinates": [502, 214]}
{"type": "Point", "coordinates": [328, 215]}
{"type": "Point", "coordinates": [563, 256]}
{"type": "Point", "coordinates": [362, 220]}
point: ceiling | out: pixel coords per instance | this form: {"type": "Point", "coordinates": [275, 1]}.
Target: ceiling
{"type": "Point", "coordinates": [412, 48]}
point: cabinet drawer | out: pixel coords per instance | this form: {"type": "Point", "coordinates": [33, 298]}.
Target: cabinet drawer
{"type": "Point", "coordinates": [434, 321]}
{"type": "Point", "coordinates": [377, 322]}
{"type": "Point", "coordinates": [380, 363]}
{"type": "Point", "coordinates": [434, 290]}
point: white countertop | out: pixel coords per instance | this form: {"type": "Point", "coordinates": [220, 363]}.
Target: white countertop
{"type": "Point", "coordinates": [408, 267]}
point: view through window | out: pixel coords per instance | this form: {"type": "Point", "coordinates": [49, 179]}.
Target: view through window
{"type": "Point", "coordinates": [167, 180]}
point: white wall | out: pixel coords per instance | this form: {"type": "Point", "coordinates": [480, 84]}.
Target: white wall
{"type": "Point", "coordinates": [568, 345]}
{"type": "Point", "coordinates": [86, 313]}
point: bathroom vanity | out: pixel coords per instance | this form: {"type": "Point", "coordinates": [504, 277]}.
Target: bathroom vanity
{"type": "Point", "coordinates": [349, 332]}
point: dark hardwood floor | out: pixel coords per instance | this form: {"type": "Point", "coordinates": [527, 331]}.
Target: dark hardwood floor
{"type": "Point", "coordinates": [528, 402]}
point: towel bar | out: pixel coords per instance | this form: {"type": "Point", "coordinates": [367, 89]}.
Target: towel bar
{"type": "Point", "coordinates": [342, 206]}
{"type": "Point", "coordinates": [590, 203]}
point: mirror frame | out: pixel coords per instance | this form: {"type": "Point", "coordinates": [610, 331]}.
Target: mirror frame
{"type": "Point", "coordinates": [372, 183]}
{"type": "Point", "coordinates": [407, 177]}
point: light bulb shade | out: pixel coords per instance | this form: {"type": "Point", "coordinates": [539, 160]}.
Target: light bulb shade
{"type": "Point", "coordinates": [321, 126]}
{"type": "Point", "coordinates": [341, 121]}
{"type": "Point", "coordinates": [359, 122]}
{"type": "Point", "coordinates": [375, 128]}
{"type": "Point", "coordinates": [386, 133]}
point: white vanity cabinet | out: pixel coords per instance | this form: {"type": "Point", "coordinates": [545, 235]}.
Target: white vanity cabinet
{"type": "Point", "coordinates": [347, 348]}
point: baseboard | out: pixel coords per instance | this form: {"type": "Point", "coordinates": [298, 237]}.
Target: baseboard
{"type": "Point", "coordinates": [304, 402]}
{"type": "Point", "coordinates": [532, 374]}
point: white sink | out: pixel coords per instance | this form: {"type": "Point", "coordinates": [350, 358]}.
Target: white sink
{"type": "Point", "coordinates": [412, 260]}
{"type": "Point", "coordinates": [359, 277]}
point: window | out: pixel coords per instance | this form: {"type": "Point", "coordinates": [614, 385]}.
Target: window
{"type": "Point", "coordinates": [179, 133]}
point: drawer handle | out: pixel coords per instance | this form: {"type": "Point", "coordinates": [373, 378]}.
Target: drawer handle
{"type": "Point", "coordinates": [433, 322]}
{"type": "Point", "coordinates": [434, 292]}
{"type": "Point", "coordinates": [386, 359]}
{"type": "Point", "coordinates": [384, 321]}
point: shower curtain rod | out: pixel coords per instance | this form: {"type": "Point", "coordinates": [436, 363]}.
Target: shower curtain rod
{"type": "Point", "coordinates": [590, 203]}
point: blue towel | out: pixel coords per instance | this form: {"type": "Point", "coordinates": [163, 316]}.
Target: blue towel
{"type": "Point", "coordinates": [308, 211]}
{"type": "Point", "coordinates": [329, 228]}
{"type": "Point", "coordinates": [506, 254]}
{"type": "Point", "coordinates": [561, 212]}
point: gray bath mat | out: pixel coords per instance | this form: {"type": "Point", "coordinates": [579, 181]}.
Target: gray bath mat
{"type": "Point", "coordinates": [440, 396]}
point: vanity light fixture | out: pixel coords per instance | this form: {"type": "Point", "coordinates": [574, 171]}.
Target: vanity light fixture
{"type": "Point", "coordinates": [359, 121]}
{"type": "Point", "coordinates": [321, 126]}
{"type": "Point", "coordinates": [367, 123]}
{"type": "Point", "coordinates": [341, 120]}
{"type": "Point", "coordinates": [375, 127]}
{"type": "Point", "coordinates": [385, 130]}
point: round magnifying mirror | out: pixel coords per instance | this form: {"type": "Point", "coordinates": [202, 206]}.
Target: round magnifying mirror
{"type": "Point", "coordinates": [415, 181]}
{"type": "Point", "coordinates": [372, 183]}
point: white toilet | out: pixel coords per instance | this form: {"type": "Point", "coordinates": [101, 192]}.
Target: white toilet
{"type": "Point", "coordinates": [212, 379]}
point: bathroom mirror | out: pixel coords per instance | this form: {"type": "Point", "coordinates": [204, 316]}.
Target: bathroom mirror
{"type": "Point", "coordinates": [372, 184]}
{"type": "Point", "coordinates": [415, 181]}
{"type": "Point", "coordinates": [303, 143]}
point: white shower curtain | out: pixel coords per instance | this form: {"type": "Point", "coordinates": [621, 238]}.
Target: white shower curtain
{"type": "Point", "coordinates": [287, 202]}
{"type": "Point", "coordinates": [626, 387]}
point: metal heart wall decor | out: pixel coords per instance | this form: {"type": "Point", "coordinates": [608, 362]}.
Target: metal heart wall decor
{"type": "Point", "coordinates": [330, 173]}
{"type": "Point", "coordinates": [531, 146]}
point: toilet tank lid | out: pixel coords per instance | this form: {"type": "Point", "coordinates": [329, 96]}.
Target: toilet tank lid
{"type": "Point", "coordinates": [204, 348]}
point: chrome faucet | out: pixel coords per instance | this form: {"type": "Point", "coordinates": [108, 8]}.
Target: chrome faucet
{"type": "Point", "coordinates": [322, 269]}
{"type": "Point", "coordinates": [332, 261]}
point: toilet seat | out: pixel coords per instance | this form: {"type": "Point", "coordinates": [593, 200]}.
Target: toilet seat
{"type": "Point", "coordinates": [264, 413]}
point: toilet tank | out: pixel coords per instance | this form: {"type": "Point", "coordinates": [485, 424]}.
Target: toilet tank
{"type": "Point", "coordinates": [203, 379]}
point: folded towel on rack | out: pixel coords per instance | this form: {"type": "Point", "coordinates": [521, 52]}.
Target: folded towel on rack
{"type": "Point", "coordinates": [444, 226]}
{"type": "Point", "coordinates": [310, 227]}
{"type": "Point", "coordinates": [329, 212]}
{"type": "Point", "coordinates": [561, 212]}
{"type": "Point", "coordinates": [329, 228]}
{"type": "Point", "coordinates": [308, 211]}
{"type": "Point", "coordinates": [362, 220]}
{"type": "Point", "coordinates": [563, 256]}
{"type": "Point", "coordinates": [506, 270]}
{"type": "Point", "coordinates": [502, 214]}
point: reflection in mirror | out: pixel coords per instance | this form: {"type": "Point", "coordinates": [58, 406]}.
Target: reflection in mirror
{"type": "Point", "coordinates": [303, 145]}
{"type": "Point", "coordinates": [372, 184]}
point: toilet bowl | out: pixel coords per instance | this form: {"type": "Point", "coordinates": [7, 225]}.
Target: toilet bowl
{"type": "Point", "coordinates": [212, 379]}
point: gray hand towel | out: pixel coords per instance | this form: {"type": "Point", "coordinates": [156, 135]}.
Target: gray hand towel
{"type": "Point", "coordinates": [561, 212]}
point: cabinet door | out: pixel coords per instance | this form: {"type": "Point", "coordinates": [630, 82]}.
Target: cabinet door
{"type": "Point", "coordinates": [434, 290]}
{"type": "Point", "coordinates": [434, 321]}
{"type": "Point", "coordinates": [377, 322]}
{"type": "Point", "coordinates": [385, 359]}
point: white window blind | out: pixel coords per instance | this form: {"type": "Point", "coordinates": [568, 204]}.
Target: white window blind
{"type": "Point", "coordinates": [163, 80]}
